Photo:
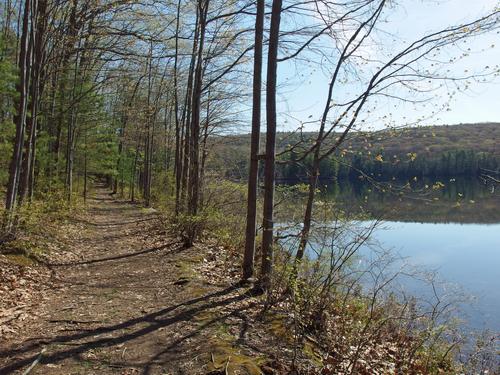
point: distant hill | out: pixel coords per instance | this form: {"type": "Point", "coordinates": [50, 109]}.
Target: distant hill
{"type": "Point", "coordinates": [461, 149]}
{"type": "Point", "coordinates": [432, 140]}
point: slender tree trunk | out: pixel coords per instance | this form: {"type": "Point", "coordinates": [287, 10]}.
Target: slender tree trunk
{"type": "Point", "coordinates": [194, 149]}
{"type": "Point", "coordinates": [70, 139]}
{"type": "Point", "coordinates": [50, 119]}
{"type": "Point", "coordinates": [168, 135]}
{"type": "Point", "coordinates": [38, 91]}
{"type": "Point", "coordinates": [31, 172]}
{"type": "Point", "coordinates": [269, 171]}
{"type": "Point", "coordinates": [119, 162]}
{"type": "Point", "coordinates": [69, 44]}
{"type": "Point", "coordinates": [178, 146]}
{"type": "Point", "coordinates": [28, 151]}
{"type": "Point", "coordinates": [134, 171]}
{"type": "Point", "coordinates": [58, 140]}
{"type": "Point", "coordinates": [6, 25]}
{"type": "Point", "coordinates": [37, 30]}
{"type": "Point", "coordinates": [20, 117]}
{"type": "Point", "coordinates": [250, 232]}
{"type": "Point", "coordinates": [186, 116]}
{"type": "Point", "coordinates": [194, 172]}
{"type": "Point", "coordinates": [150, 163]}
{"type": "Point", "coordinates": [148, 144]}
{"type": "Point", "coordinates": [204, 149]}
{"type": "Point", "coordinates": [85, 168]}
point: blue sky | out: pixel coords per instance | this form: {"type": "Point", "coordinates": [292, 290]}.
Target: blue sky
{"type": "Point", "coordinates": [304, 99]}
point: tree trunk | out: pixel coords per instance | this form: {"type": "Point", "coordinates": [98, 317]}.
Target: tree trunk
{"type": "Point", "coordinates": [178, 147]}
{"type": "Point", "coordinates": [134, 172]}
{"type": "Point", "coordinates": [85, 168]}
{"type": "Point", "coordinates": [148, 142]}
{"type": "Point", "coordinates": [37, 31]}
{"type": "Point", "coordinates": [269, 171]}
{"type": "Point", "coordinates": [186, 117]}
{"type": "Point", "coordinates": [194, 171]}
{"type": "Point", "coordinates": [250, 233]}
{"type": "Point", "coordinates": [204, 149]}
{"type": "Point", "coordinates": [20, 117]}
{"type": "Point", "coordinates": [70, 139]}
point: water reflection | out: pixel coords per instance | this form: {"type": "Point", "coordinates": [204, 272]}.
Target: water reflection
{"type": "Point", "coordinates": [465, 255]}
{"type": "Point", "coordinates": [451, 226]}
{"type": "Point", "coordinates": [457, 200]}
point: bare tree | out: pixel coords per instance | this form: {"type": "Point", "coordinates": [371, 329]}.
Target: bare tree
{"type": "Point", "coordinates": [250, 233]}
{"type": "Point", "coordinates": [269, 171]}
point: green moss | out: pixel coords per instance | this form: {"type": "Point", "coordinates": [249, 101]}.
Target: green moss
{"type": "Point", "coordinates": [310, 351]}
{"type": "Point", "coordinates": [184, 270]}
{"type": "Point", "coordinates": [20, 259]}
{"type": "Point", "coordinates": [279, 327]}
{"type": "Point", "coordinates": [22, 252]}
{"type": "Point", "coordinates": [225, 356]}
{"type": "Point", "coordinates": [204, 316]}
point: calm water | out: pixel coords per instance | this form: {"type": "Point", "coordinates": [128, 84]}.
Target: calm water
{"type": "Point", "coordinates": [466, 255]}
{"type": "Point", "coordinates": [453, 230]}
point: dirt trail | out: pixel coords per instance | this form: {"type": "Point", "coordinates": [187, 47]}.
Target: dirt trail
{"type": "Point", "coordinates": [133, 304]}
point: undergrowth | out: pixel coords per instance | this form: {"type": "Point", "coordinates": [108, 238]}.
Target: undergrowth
{"type": "Point", "coordinates": [36, 222]}
{"type": "Point", "coordinates": [333, 322]}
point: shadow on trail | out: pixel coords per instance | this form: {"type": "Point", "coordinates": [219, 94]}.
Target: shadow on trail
{"type": "Point", "coordinates": [110, 224]}
{"type": "Point", "coordinates": [118, 257]}
{"type": "Point", "coordinates": [157, 358]}
{"type": "Point", "coordinates": [140, 232]}
{"type": "Point", "coordinates": [135, 329]}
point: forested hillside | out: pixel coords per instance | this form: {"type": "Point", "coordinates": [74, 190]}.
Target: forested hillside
{"type": "Point", "coordinates": [426, 151]}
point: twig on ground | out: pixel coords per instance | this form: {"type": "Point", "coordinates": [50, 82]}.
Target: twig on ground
{"type": "Point", "coordinates": [35, 362]}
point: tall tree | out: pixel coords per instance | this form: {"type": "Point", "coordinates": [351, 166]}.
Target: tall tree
{"type": "Point", "coordinates": [24, 63]}
{"type": "Point", "coordinates": [251, 219]}
{"type": "Point", "coordinates": [194, 160]}
{"type": "Point", "coordinates": [269, 171]}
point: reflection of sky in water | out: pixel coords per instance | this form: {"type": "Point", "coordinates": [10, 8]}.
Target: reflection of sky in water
{"type": "Point", "coordinates": [428, 234]}
{"type": "Point", "coordinates": [465, 254]}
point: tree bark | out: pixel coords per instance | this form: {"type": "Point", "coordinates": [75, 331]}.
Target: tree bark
{"type": "Point", "coordinates": [70, 139]}
{"type": "Point", "coordinates": [186, 116]}
{"type": "Point", "coordinates": [269, 171]}
{"type": "Point", "coordinates": [147, 148]}
{"type": "Point", "coordinates": [178, 145]}
{"type": "Point", "coordinates": [250, 232]}
{"type": "Point", "coordinates": [37, 31]}
{"type": "Point", "coordinates": [20, 117]}
{"type": "Point", "coordinates": [194, 171]}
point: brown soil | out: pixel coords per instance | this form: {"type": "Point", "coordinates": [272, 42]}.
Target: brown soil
{"type": "Point", "coordinates": [135, 302]}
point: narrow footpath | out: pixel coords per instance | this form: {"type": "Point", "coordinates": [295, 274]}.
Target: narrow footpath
{"type": "Point", "coordinates": [137, 302]}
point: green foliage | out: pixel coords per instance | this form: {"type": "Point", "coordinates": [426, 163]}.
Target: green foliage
{"type": "Point", "coordinates": [221, 217]}
{"type": "Point", "coordinates": [8, 79]}
{"type": "Point", "coordinates": [224, 207]}
{"type": "Point", "coordinates": [350, 321]}
{"type": "Point", "coordinates": [50, 206]}
{"type": "Point", "coordinates": [459, 150]}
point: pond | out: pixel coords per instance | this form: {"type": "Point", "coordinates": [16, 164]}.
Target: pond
{"type": "Point", "coordinates": [466, 255]}
{"type": "Point", "coordinates": [447, 225]}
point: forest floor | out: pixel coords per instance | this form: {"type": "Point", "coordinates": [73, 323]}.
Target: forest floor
{"type": "Point", "coordinates": [132, 300]}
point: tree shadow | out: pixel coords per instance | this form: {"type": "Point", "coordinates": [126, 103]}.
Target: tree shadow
{"type": "Point", "coordinates": [135, 329]}
{"type": "Point", "coordinates": [156, 359]}
{"type": "Point", "coordinates": [118, 257]}
{"type": "Point", "coordinates": [112, 223]}
{"type": "Point", "coordinates": [134, 233]}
